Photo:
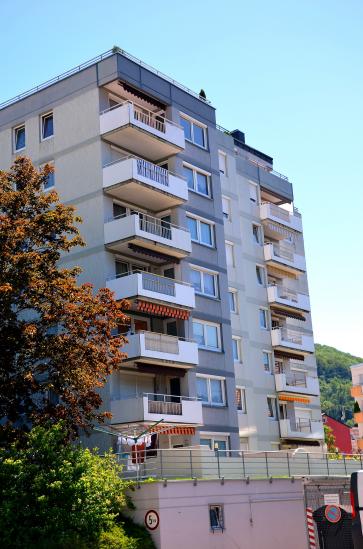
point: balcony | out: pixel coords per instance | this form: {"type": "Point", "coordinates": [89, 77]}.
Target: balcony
{"type": "Point", "coordinates": [150, 407]}
{"type": "Point", "coordinates": [284, 257]}
{"type": "Point", "coordinates": [153, 287]}
{"type": "Point", "coordinates": [272, 212]}
{"type": "Point", "coordinates": [143, 132]}
{"type": "Point", "coordinates": [288, 339]}
{"type": "Point", "coordinates": [285, 297]}
{"type": "Point", "coordinates": [145, 184]}
{"type": "Point", "coordinates": [297, 382]}
{"type": "Point", "coordinates": [155, 348]}
{"type": "Point", "coordinates": [302, 428]}
{"type": "Point", "coordinates": [148, 232]}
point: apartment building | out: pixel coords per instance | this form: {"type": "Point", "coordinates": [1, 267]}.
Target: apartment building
{"type": "Point", "coordinates": [195, 229]}
{"type": "Point", "coordinates": [357, 393]}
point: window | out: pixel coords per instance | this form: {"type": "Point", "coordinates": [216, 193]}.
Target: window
{"type": "Point", "coordinates": [198, 181]}
{"type": "Point", "coordinates": [214, 443]}
{"type": "Point", "coordinates": [194, 131]}
{"type": "Point", "coordinates": [201, 231]}
{"type": "Point", "coordinates": [47, 125]}
{"type": "Point", "coordinates": [229, 254]}
{"type": "Point", "coordinates": [256, 231]}
{"type": "Point", "coordinates": [253, 193]}
{"type": "Point", "coordinates": [204, 282]}
{"type": "Point", "coordinates": [226, 207]}
{"type": "Point", "coordinates": [271, 407]}
{"type": "Point", "coordinates": [260, 275]}
{"type": "Point", "coordinates": [216, 517]}
{"type": "Point", "coordinates": [236, 348]}
{"type": "Point", "coordinates": [50, 181]}
{"type": "Point", "coordinates": [263, 319]}
{"type": "Point", "coordinates": [211, 390]}
{"type": "Point", "coordinates": [267, 362]}
{"type": "Point", "coordinates": [233, 301]}
{"type": "Point", "coordinates": [207, 335]}
{"type": "Point", "coordinates": [241, 399]}
{"type": "Point", "coordinates": [222, 160]}
{"type": "Point", "coordinates": [19, 138]}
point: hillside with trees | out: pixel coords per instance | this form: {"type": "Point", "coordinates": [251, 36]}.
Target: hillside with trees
{"type": "Point", "coordinates": [335, 381]}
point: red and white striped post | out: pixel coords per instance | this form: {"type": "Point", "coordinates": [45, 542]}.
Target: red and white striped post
{"type": "Point", "coordinates": [311, 529]}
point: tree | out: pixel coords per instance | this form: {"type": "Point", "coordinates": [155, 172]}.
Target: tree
{"type": "Point", "coordinates": [54, 494]}
{"type": "Point", "coordinates": [56, 342]}
{"type": "Point", "coordinates": [330, 439]}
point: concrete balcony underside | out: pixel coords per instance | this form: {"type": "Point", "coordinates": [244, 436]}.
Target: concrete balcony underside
{"type": "Point", "coordinates": [153, 348]}
{"type": "Point", "coordinates": [142, 133]}
{"type": "Point", "coordinates": [145, 184]}
{"type": "Point", "coordinates": [142, 409]}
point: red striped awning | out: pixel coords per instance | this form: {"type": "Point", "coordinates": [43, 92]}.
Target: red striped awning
{"type": "Point", "coordinates": [161, 310]}
{"type": "Point", "coordinates": [173, 430]}
{"type": "Point", "coordinates": [294, 398]}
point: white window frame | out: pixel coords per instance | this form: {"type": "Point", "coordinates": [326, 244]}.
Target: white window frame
{"type": "Point", "coordinates": [231, 244]}
{"type": "Point", "coordinates": [224, 155]}
{"type": "Point", "coordinates": [239, 350]}
{"type": "Point", "coordinates": [42, 117]}
{"type": "Point", "coordinates": [195, 171]}
{"type": "Point", "coordinates": [226, 213]}
{"type": "Point", "coordinates": [274, 407]}
{"type": "Point", "coordinates": [234, 293]}
{"type": "Point", "coordinates": [213, 436]}
{"type": "Point", "coordinates": [200, 220]}
{"type": "Point", "coordinates": [203, 271]}
{"type": "Point", "coordinates": [15, 129]}
{"type": "Point", "coordinates": [263, 277]}
{"type": "Point", "coordinates": [209, 391]}
{"type": "Point", "coordinates": [194, 122]}
{"type": "Point", "coordinates": [257, 201]}
{"type": "Point", "coordinates": [51, 162]}
{"type": "Point", "coordinates": [219, 339]}
{"type": "Point", "coordinates": [270, 361]}
{"type": "Point", "coordinates": [259, 239]}
{"type": "Point", "coordinates": [265, 316]}
{"type": "Point", "coordinates": [243, 410]}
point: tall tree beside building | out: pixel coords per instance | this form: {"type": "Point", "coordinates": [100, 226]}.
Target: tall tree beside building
{"type": "Point", "coordinates": [57, 348]}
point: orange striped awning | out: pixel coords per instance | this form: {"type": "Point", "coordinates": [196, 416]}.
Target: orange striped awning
{"type": "Point", "coordinates": [161, 310]}
{"type": "Point", "coordinates": [295, 398]}
{"type": "Point", "coordinates": [173, 430]}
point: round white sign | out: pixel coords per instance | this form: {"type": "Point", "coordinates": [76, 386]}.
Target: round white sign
{"type": "Point", "coordinates": [152, 520]}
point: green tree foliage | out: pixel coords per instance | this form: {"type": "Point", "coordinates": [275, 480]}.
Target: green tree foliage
{"type": "Point", "coordinates": [57, 495]}
{"type": "Point", "coordinates": [335, 381]}
{"type": "Point", "coordinates": [330, 439]}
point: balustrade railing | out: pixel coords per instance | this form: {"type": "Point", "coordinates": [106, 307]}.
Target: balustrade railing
{"type": "Point", "coordinates": [161, 343]}
{"type": "Point", "coordinates": [150, 119]}
{"type": "Point", "coordinates": [152, 171]}
{"type": "Point", "coordinates": [296, 379]}
{"type": "Point", "coordinates": [284, 251]}
{"type": "Point", "coordinates": [159, 284]}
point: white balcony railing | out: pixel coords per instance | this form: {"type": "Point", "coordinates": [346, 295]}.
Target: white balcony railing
{"type": "Point", "coordinates": [286, 296]}
{"type": "Point", "coordinates": [301, 428]}
{"type": "Point", "coordinates": [284, 255]}
{"type": "Point", "coordinates": [152, 286]}
{"type": "Point", "coordinates": [291, 339]}
{"type": "Point", "coordinates": [153, 347]}
{"type": "Point", "coordinates": [297, 382]}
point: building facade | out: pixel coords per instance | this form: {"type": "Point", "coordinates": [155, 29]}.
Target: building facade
{"type": "Point", "coordinates": [357, 394]}
{"type": "Point", "coordinates": [342, 434]}
{"type": "Point", "coordinates": [195, 229]}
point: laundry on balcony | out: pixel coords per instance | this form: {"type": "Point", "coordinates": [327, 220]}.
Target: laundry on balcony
{"type": "Point", "coordinates": [295, 398]}
{"type": "Point", "coordinates": [161, 310]}
{"type": "Point", "coordinates": [289, 314]}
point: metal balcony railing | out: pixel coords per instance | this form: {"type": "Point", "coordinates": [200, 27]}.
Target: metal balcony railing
{"type": "Point", "coordinates": [152, 225]}
{"type": "Point", "coordinates": [296, 379]}
{"type": "Point", "coordinates": [149, 118]}
{"type": "Point", "coordinates": [158, 284]}
{"type": "Point", "coordinates": [287, 334]}
{"type": "Point", "coordinates": [161, 343]}
{"type": "Point", "coordinates": [166, 404]}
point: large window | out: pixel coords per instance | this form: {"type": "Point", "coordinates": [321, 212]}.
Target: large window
{"type": "Point", "coordinates": [230, 254]}
{"type": "Point", "coordinates": [19, 138]}
{"type": "Point", "coordinates": [47, 128]}
{"type": "Point", "coordinates": [207, 335]}
{"type": "Point", "coordinates": [194, 131]}
{"type": "Point", "coordinates": [211, 390]}
{"type": "Point", "coordinates": [204, 282]}
{"type": "Point", "coordinates": [198, 181]}
{"type": "Point", "coordinates": [241, 400]}
{"type": "Point", "coordinates": [201, 230]}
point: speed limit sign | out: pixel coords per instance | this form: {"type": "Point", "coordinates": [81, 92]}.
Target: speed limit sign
{"type": "Point", "coordinates": [152, 520]}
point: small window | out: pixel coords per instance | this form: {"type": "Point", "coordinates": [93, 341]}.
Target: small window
{"type": "Point", "coordinates": [263, 319]}
{"type": "Point", "coordinates": [256, 231]}
{"type": "Point", "coordinates": [19, 138]}
{"type": "Point", "coordinates": [198, 181]}
{"type": "Point", "coordinates": [267, 362]}
{"type": "Point", "coordinates": [222, 160]}
{"type": "Point", "coordinates": [50, 181]}
{"type": "Point", "coordinates": [207, 335]}
{"type": "Point", "coordinates": [194, 132]}
{"type": "Point", "coordinates": [241, 399]}
{"type": "Point", "coordinates": [202, 231]}
{"type": "Point", "coordinates": [47, 125]}
{"type": "Point", "coordinates": [226, 207]}
{"type": "Point", "coordinates": [230, 254]}
{"type": "Point", "coordinates": [216, 517]}
{"type": "Point", "coordinates": [211, 390]}
{"type": "Point", "coordinates": [271, 407]}
{"type": "Point", "coordinates": [236, 349]}
{"type": "Point", "coordinates": [204, 282]}
{"type": "Point", "coordinates": [253, 193]}
{"type": "Point", "coordinates": [233, 301]}
{"type": "Point", "coordinates": [260, 275]}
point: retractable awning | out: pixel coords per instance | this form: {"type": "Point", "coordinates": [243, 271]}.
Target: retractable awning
{"type": "Point", "coordinates": [292, 356]}
{"type": "Point", "coordinates": [295, 398]}
{"type": "Point", "coordinates": [289, 314]}
{"type": "Point", "coordinates": [173, 430]}
{"type": "Point", "coordinates": [162, 258]}
{"type": "Point", "coordinates": [161, 310]}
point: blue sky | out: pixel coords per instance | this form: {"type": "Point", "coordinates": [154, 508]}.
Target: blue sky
{"type": "Point", "coordinates": [288, 73]}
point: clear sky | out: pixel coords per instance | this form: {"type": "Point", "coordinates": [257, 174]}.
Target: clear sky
{"type": "Point", "coordinates": [286, 72]}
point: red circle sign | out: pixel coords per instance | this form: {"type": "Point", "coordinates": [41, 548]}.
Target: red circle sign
{"type": "Point", "coordinates": [151, 520]}
{"type": "Point", "coordinates": [333, 513]}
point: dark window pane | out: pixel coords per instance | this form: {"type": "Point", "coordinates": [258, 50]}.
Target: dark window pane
{"type": "Point", "coordinates": [187, 127]}
{"type": "Point", "coordinates": [47, 126]}
{"type": "Point", "coordinates": [198, 134]}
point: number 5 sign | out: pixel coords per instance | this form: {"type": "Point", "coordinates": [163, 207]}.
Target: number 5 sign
{"type": "Point", "coordinates": [152, 520]}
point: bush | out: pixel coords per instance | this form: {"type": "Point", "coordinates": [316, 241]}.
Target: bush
{"type": "Point", "coordinates": [57, 495]}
